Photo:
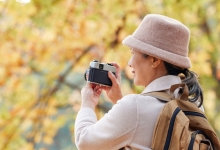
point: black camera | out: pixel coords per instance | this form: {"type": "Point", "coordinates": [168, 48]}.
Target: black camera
{"type": "Point", "coordinates": [98, 73]}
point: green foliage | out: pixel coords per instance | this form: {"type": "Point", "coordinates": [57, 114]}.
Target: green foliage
{"type": "Point", "coordinates": [46, 45]}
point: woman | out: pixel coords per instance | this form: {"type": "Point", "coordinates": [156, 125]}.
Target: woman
{"type": "Point", "coordinates": [159, 48]}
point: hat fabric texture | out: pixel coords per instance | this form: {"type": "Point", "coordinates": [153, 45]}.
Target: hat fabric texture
{"type": "Point", "coordinates": [162, 37]}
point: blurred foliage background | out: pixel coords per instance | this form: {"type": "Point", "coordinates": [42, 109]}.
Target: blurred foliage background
{"type": "Point", "coordinates": [46, 46]}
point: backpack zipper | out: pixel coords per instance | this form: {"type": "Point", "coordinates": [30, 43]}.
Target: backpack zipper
{"type": "Point", "coordinates": [170, 130]}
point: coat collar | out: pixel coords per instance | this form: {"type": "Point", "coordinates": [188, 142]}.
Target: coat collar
{"type": "Point", "coordinates": [162, 83]}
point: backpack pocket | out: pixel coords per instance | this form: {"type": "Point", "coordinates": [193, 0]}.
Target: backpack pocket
{"type": "Point", "coordinates": [205, 145]}
{"type": "Point", "coordinates": [171, 131]}
{"type": "Point", "coordinates": [199, 141]}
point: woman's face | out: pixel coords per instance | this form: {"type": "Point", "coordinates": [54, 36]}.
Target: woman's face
{"type": "Point", "coordinates": [141, 68]}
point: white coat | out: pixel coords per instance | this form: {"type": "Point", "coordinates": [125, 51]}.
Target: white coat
{"type": "Point", "coordinates": [130, 123]}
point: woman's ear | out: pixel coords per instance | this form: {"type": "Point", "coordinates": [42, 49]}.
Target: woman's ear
{"type": "Point", "coordinates": [155, 62]}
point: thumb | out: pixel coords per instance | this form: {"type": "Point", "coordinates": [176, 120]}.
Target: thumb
{"type": "Point", "coordinates": [112, 77]}
{"type": "Point", "coordinates": [89, 85]}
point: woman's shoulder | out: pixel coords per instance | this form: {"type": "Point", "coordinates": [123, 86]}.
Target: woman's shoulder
{"type": "Point", "coordinates": [139, 100]}
{"type": "Point", "coordinates": [128, 100]}
{"type": "Point", "coordinates": [131, 97]}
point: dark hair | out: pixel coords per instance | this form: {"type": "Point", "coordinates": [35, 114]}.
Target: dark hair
{"type": "Point", "coordinates": [190, 79]}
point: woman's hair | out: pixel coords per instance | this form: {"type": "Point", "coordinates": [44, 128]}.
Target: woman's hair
{"type": "Point", "coordinates": [190, 79]}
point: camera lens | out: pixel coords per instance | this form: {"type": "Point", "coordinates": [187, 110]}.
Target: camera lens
{"type": "Point", "coordinates": [86, 74]}
{"type": "Point", "coordinates": [101, 66]}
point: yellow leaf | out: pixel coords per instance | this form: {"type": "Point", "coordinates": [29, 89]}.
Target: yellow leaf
{"type": "Point", "coordinates": [48, 139]}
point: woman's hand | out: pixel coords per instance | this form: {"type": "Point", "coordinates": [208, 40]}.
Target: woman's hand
{"type": "Point", "coordinates": [90, 95]}
{"type": "Point", "coordinates": [114, 92]}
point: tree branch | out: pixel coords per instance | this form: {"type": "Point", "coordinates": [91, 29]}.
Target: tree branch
{"type": "Point", "coordinates": [45, 99]}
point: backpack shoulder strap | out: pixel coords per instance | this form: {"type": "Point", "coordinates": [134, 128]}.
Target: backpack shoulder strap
{"type": "Point", "coordinates": [163, 96]}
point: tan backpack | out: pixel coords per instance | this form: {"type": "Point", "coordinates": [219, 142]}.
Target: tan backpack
{"type": "Point", "coordinates": [181, 125]}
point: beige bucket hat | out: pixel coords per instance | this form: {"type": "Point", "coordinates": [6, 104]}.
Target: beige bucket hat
{"type": "Point", "coordinates": [162, 37]}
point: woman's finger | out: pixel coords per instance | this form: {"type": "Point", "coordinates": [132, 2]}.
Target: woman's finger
{"type": "Point", "coordinates": [97, 87]}
{"type": "Point", "coordinates": [112, 77]}
{"type": "Point", "coordinates": [89, 85]}
{"type": "Point", "coordinates": [99, 91]}
{"type": "Point", "coordinates": [105, 87]}
{"type": "Point", "coordinates": [118, 70]}
{"type": "Point", "coordinates": [115, 64]}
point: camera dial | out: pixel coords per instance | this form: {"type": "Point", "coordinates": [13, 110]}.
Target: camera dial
{"type": "Point", "coordinates": [109, 64]}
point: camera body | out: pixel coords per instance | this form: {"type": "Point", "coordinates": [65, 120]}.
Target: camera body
{"type": "Point", "coordinates": [98, 73]}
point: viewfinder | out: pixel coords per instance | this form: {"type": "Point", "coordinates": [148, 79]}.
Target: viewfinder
{"type": "Point", "coordinates": [101, 66]}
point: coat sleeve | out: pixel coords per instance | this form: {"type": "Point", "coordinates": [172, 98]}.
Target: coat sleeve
{"type": "Point", "coordinates": [113, 131]}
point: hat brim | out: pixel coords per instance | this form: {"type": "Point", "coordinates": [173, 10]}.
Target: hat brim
{"type": "Point", "coordinates": [169, 57]}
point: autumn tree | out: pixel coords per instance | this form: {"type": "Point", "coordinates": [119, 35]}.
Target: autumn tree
{"type": "Point", "coordinates": [46, 46]}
